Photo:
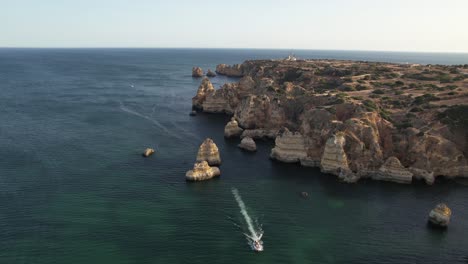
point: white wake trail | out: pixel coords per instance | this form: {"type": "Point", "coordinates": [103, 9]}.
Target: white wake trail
{"type": "Point", "coordinates": [248, 220]}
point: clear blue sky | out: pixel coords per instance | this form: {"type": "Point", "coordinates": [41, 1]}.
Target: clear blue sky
{"type": "Point", "coordinates": [397, 25]}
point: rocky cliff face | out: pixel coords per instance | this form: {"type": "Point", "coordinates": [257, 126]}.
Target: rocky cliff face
{"type": "Point", "coordinates": [353, 134]}
{"type": "Point", "coordinates": [289, 147]}
{"type": "Point", "coordinates": [392, 170]}
{"type": "Point", "coordinates": [334, 158]}
{"type": "Point", "coordinates": [232, 71]}
{"type": "Point", "coordinates": [209, 152]}
{"type": "Point", "coordinates": [206, 88]}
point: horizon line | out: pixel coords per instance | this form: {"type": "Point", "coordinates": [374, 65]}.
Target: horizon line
{"type": "Point", "coordinates": [232, 48]}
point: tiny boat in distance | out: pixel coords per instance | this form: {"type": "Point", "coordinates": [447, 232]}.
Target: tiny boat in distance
{"type": "Point", "coordinates": [257, 245]}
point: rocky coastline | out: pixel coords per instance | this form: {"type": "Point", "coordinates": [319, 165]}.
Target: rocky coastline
{"type": "Point", "coordinates": [383, 121]}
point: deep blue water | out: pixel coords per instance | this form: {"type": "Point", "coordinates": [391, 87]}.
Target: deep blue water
{"type": "Point", "coordinates": [75, 189]}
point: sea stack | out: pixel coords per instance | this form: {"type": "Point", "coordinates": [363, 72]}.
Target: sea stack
{"type": "Point", "coordinates": [205, 88]}
{"type": "Point", "coordinates": [201, 172]}
{"type": "Point", "coordinates": [210, 74]}
{"type": "Point", "coordinates": [232, 129]}
{"type": "Point", "coordinates": [440, 215]}
{"type": "Point", "coordinates": [197, 72]}
{"type": "Point", "coordinates": [248, 144]}
{"type": "Point", "coordinates": [209, 152]}
{"type": "Point", "coordinates": [148, 152]}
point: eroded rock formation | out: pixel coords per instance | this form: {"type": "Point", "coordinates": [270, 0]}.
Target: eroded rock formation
{"type": "Point", "coordinates": [210, 73]}
{"type": "Point", "coordinates": [440, 215]}
{"type": "Point", "coordinates": [202, 171]}
{"type": "Point", "coordinates": [206, 88]}
{"type": "Point", "coordinates": [197, 72]}
{"type": "Point", "coordinates": [392, 170]}
{"type": "Point", "coordinates": [248, 144]}
{"type": "Point", "coordinates": [231, 71]}
{"type": "Point", "coordinates": [232, 129]}
{"type": "Point", "coordinates": [209, 152]}
{"type": "Point", "coordinates": [339, 123]}
{"type": "Point", "coordinates": [289, 147]}
{"type": "Point", "coordinates": [334, 158]}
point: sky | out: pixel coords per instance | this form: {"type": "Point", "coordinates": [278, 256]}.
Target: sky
{"type": "Point", "coordinates": [384, 25]}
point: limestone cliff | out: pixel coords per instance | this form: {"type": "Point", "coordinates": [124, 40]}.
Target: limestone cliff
{"type": "Point", "coordinates": [232, 71]}
{"type": "Point", "coordinates": [334, 158]}
{"type": "Point", "coordinates": [209, 152]}
{"type": "Point", "coordinates": [202, 171]}
{"type": "Point", "coordinates": [289, 147]}
{"type": "Point", "coordinates": [392, 170]}
{"type": "Point", "coordinates": [352, 119]}
{"type": "Point", "coordinates": [206, 88]}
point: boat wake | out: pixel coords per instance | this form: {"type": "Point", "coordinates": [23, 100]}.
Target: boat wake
{"type": "Point", "coordinates": [255, 232]}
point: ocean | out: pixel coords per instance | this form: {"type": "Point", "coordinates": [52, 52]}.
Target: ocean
{"type": "Point", "coordinates": [74, 187]}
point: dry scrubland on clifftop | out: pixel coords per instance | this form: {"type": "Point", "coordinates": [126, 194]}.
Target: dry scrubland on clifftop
{"type": "Point", "coordinates": [394, 122]}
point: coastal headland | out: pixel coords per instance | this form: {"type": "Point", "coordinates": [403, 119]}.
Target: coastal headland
{"type": "Point", "coordinates": [353, 119]}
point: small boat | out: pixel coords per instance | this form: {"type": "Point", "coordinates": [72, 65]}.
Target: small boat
{"type": "Point", "coordinates": [257, 246]}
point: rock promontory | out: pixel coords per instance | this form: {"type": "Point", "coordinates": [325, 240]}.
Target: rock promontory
{"type": "Point", "coordinates": [209, 152]}
{"type": "Point", "coordinates": [202, 171]}
{"type": "Point", "coordinates": [353, 119]}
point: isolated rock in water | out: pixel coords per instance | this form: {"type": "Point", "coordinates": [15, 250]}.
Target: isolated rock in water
{"type": "Point", "coordinates": [202, 171]}
{"type": "Point", "coordinates": [231, 71]}
{"type": "Point", "coordinates": [210, 74]}
{"type": "Point", "coordinates": [209, 152]}
{"type": "Point", "coordinates": [392, 170]}
{"type": "Point", "coordinates": [334, 158]}
{"type": "Point", "coordinates": [248, 144]}
{"type": "Point", "coordinates": [289, 147]}
{"type": "Point", "coordinates": [304, 194]}
{"type": "Point", "coordinates": [148, 152]}
{"type": "Point", "coordinates": [197, 72]}
{"type": "Point", "coordinates": [232, 129]}
{"type": "Point", "coordinates": [206, 88]}
{"type": "Point", "coordinates": [440, 215]}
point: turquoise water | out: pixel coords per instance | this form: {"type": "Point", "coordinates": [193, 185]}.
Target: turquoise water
{"type": "Point", "coordinates": [75, 189]}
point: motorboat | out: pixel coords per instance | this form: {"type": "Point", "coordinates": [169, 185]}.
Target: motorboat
{"type": "Point", "coordinates": [257, 245]}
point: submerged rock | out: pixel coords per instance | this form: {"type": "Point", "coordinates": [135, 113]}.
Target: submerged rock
{"type": "Point", "coordinates": [202, 171]}
{"type": "Point", "coordinates": [210, 74]}
{"type": "Point", "coordinates": [248, 144]}
{"type": "Point", "coordinates": [148, 152]}
{"type": "Point", "coordinates": [232, 129]}
{"type": "Point", "coordinates": [206, 88]}
{"type": "Point", "coordinates": [209, 152]}
{"type": "Point", "coordinates": [440, 215]}
{"type": "Point", "coordinates": [197, 72]}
